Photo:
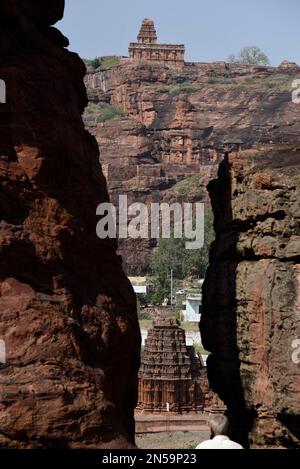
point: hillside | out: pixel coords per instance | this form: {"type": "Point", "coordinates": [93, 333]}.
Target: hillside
{"type": "Point", "coordinates": [157, 125]}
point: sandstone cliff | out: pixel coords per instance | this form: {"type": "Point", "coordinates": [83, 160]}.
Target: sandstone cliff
{"type": "Point", "coordinates": [251, 312]}
{"type": "Point", "coordinates": [67, 311]}
{"type": "Point", "coordinates": [176, 122]}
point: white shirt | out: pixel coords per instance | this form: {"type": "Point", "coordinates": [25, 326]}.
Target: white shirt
{"type": "Point", "coordinates": [219, 442]}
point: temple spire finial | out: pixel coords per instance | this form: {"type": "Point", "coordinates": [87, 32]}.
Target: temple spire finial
{"type": "Point", "coordinates": [147, 34]}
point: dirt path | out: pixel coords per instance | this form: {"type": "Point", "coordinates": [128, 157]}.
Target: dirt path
{"type": "Point", "coordinates": [172, 440]}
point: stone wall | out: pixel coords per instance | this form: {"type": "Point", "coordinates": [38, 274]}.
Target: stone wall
{"type": "Point", "coordinates": [170, 54]}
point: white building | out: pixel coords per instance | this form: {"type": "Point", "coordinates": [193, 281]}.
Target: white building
{"type": "Point", "coordinates": [139, 285]}
{"type": "Point", "coordinates": [192, 311]}
{"type": "Point", "coordinates": [140, 289]}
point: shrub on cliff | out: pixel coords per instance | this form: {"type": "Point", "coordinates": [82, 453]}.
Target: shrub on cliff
{"type": "Point", "coordinates": [109, 112]}
{"type": "Point", "coordinates": [280, 82]}
{"type": "Point", "coordinates": [103, 112]}
{"type": "Point", "coordinates": [220, 81]}
{"type": "Point", "coordinates": [190, 186]}
{"type": "Point", "coordinates": [103, 63]}
{"type": "Point", "coordinates": [95, 63]}
{"type": "Point", "coordinates": [183, 88]}
{"type": "Point", "coordinates": [250, 55]}
{"type": "Point", "coordinates": [93, 108]}
{"type": "Point", "coordinates": [107, 63]}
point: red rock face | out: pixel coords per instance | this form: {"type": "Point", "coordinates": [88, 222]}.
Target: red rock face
{"type": "Point", "coordinates": [176, 125]}
{"type": "Point", "coordinates": [251, 295]}
{"type": "Point", "coordinates": [68, 313]}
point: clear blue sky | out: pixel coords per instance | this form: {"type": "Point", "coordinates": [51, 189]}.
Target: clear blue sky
{"type": "Point", "coordinates": [210, 29]}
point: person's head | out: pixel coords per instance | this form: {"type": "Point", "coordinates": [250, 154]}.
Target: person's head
{"type": "Point", "coordinates": [218, 425]}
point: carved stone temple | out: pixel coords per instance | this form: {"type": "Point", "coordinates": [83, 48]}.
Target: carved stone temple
{"type": "Point", "coordinates": [171, 374]}
{"type": "Point", "coordinates": [147, 48]}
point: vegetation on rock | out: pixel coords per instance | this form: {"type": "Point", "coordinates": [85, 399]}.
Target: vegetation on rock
{"type": "Point", "coordinates": [250, 55]}
{"type": "Point", "coordinates": [107, 63]}
{"type": "Point", "coordinates": [182, 88]}
{"type": "Point", "coordinates": [220, 80]}
{"type": "Point", "coordinates": [109, 113]}
{"type": "Point", "coordinates": [104, 112]}
{"type": "Point", "coordinates": [192, 186]}
{"type": "Point", "coordinates": [103, 63]}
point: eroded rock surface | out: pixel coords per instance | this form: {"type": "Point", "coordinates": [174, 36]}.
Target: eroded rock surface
{"type": "Point", "coordinates": [177, 123]}
{"type": "Point", "coordinates": [251, 319]}
{"type": "Point", "coordinates": [68, 313]}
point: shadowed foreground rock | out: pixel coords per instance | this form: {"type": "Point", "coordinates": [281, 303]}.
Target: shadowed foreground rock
{"type": "Point", "coordinates": [67, 311]}
{"type": "Point", "coordinates": [251, 320]}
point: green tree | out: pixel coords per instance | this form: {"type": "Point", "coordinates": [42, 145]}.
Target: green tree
{"type": "Point", "coordinates": [95, 63]}
{"type": "Point", "coordinates": [250, 55]}
{"type": "Point", "coordinates": [173, 255]}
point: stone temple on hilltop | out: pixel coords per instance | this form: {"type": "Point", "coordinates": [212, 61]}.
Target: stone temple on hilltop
{"type": "Point", "coordinates": [148, 49]}
{"type": "Point", "coordinates": [172, 377]}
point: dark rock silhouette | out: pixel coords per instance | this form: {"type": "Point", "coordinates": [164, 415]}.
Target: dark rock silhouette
{"type": "Point", "coordinates": [68, 313]}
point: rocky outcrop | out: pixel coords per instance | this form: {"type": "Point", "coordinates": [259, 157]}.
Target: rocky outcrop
{"type": "Point", "coordinates": [177, 123]}
{"type": "Point", "coordinates": [68, 313]}
{"type": "Point", "coordinates": [251, 317]}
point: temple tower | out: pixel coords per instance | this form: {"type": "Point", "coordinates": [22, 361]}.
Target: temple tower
{"type": "Point", "coordinates": [147, 49]}
{"type": "Point", "coordinates": [171, 374]}
{"type": "Point", "coordinates": [147, 34]}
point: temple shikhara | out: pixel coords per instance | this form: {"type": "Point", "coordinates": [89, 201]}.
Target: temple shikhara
{"type": "Point", "coordinates": [148, 49]}
{"type": "Point", "coordinates": [172, 377]}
